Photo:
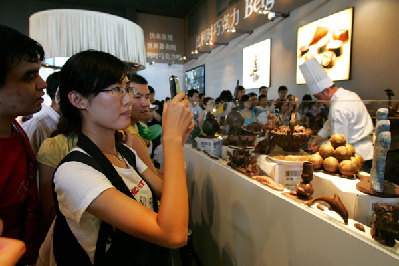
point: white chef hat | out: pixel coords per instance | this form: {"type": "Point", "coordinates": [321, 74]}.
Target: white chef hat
{"type": "Point", "coordinates": [315, 76]}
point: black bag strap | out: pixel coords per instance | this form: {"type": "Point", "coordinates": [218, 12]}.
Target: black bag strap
{"type": "Point", "coordinates": [67, 250]}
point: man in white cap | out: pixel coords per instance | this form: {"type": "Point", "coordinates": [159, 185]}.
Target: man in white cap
{"type": "Point", "coordinates": [348, 114]}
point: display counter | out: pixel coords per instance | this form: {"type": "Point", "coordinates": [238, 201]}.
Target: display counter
{"type": "Point", "coordinates": [238, 221]}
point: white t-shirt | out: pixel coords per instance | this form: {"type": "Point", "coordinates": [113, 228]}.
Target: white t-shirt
{"type": "Point", "coordinates": [40, 126]}
{"type": "Point", "coordinates": [78, 184]}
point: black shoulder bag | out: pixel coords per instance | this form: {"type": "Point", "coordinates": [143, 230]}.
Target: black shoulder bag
{"type": "Point", "coordinates": [124, 249]}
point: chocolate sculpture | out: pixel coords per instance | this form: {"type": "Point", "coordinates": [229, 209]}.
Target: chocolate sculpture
{"type": "Point", "coordinates": [381, 114]}
{"type": "Point", "coordinates": [335, 205]}
{"type": "Point", "coordinates": [241, 160]}
{"type": "Point", "coordinates": [210, 126]}
{"type": "Point", "coordinates": [234, 118]}
{"type": "Point", "coordinates": [267, 144]}
{"type": "Point", "coordinates": [385, 224]}
{"type": "Point", "coordinates": [255, 128]}
{"type": "Point", "coordinates": [381, 126]}
{"type": "Point", "coordinates": [381, 148]}
{"type": "Point", "coordinates": [305, 188]}
{"type": "Point", "coordinates": [238, 136]}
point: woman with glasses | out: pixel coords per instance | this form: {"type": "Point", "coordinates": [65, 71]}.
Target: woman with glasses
{"type": "Point", "coordinates": [106, 196]}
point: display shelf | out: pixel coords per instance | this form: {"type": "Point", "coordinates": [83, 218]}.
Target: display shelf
{"type": "Point", "coordinates": [238, 221]}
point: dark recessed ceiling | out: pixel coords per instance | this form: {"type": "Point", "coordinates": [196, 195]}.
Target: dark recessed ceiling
{"type": "Point", "coordinates": [169, 8]}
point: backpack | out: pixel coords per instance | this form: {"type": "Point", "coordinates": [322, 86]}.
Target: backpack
{"type": "Point", "coordinates": [124, 249]}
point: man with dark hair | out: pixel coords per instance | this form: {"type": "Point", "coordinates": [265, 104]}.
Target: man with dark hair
{"type": "Point", "coordinates": [44, 122]}
{"type": "Point", "coordinates": [262, 101]}
{"type": "Point", "coordinates": [263, 90]}
{"type": "Point", "coordinates": [254, 99]}
{"type": "Point", "coordinates": [149, 136]}
{"type": "Point", "coordinates": [282, 93]}
{"type": "Point", "coordinates": [21, 91]}
{"type": "Point", "coordinates": [201, 100]}
{"type": "Point", "coordinates": [193, 98]}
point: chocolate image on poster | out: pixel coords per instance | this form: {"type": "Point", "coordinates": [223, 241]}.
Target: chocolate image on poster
{"type": "Point", "coordinates": [329, 41]}
{"type": "Point", "coordinates": [256, 64]}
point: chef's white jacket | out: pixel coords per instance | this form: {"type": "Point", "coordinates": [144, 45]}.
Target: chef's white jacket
{"type": "Point", "coordinates": [348, 116]}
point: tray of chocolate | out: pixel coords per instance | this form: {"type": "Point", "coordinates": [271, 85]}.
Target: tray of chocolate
{"type": "Point", "coordinates": [283, 157]}
{"type": "Point", "coordinates": [291, 140]}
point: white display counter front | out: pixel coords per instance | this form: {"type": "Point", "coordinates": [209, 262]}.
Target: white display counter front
{"type": "Point", "coordinates": [238, 221]}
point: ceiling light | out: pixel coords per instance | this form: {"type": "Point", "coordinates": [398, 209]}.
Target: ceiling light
{"type": "Point", "coordinates": [271, 16]}
{"type": "Point", "coordinates": [263, 11]}
{"type": "Point", "coordinates": [77, 25]}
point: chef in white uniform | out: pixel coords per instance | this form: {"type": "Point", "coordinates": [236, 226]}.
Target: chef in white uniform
{"type": "Point", "coordinates": [348, 114]}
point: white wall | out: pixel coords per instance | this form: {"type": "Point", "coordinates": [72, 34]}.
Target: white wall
{"type": "Point", "coordinates": [375, 56]}
{"type": "Point", "coordinates": [158, 75]}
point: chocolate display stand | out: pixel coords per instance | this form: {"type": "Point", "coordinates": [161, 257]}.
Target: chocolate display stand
{"type": "Point", "coordinates": [391, 190]}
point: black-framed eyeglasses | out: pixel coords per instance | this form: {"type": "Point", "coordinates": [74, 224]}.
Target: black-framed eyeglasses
{"type": "Point", "coordinates": [118, 91]}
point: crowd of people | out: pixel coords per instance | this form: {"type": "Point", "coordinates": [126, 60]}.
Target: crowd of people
{"type": "Point", "coordinates": [256, 107]}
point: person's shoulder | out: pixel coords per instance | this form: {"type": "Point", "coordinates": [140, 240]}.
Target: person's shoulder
{"type": "Point", "coordinates": [55, 148]}
{"type": "Point", "coordinates": [132, 130]}
{"type": "Point", "coordinates": [59, 140]}
{"type": "Point", "coordinates": [341, 92]}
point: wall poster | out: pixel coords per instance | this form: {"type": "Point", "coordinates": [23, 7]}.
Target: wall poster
{"type": "Point", "coordinates": [329, 41]}
{"type": "Point", "coordinates": [256, 65]}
